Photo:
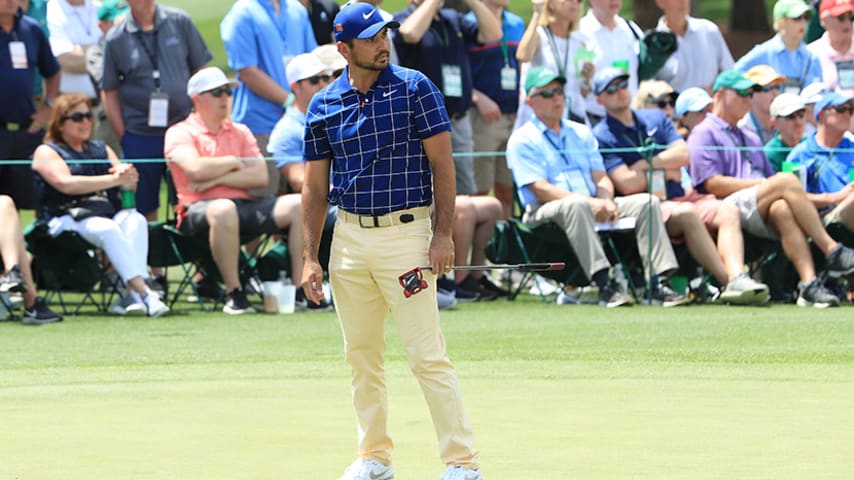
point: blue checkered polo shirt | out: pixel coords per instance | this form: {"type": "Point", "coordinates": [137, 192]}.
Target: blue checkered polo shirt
{"type": "Point", "coordinates": [374, 140]}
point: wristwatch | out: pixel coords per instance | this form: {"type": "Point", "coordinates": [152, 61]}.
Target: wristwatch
{"type": "Point", "coordinates": [48, 102]}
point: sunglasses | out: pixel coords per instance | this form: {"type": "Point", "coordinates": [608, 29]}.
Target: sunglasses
{"type": "Point", "coordinates": [618, 85]}
{"type": "Point", "coordinates": [317, 79]}
{"type": "Point", "coordinates": [664, 103]}
{"type": "Point", "coordinates": [743, 93]}
{"type": "Point", "coordinates": [847, 108]}
{"type": "Point", "coordinates": [220, 91]}
{"type": "Point", "coordinates": [803, 18]}
{"type": "Point", "coordinates": [78, 117]}
{"type": "Point", "coordinates": [767, 88]}
{"type": "Point", "coordinates": [550, 92]}
{"type": "Point", "coordinates": [797, 114]}
{"type": "Point", "coordinates": [845, 17]}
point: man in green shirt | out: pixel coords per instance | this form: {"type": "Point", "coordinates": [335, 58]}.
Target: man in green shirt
{"type": "Point", "coordinates": [787, 119]}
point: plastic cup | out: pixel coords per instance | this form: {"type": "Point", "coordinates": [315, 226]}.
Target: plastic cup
{"type": "Point", "coordinates": [286, 298]}
{"type": "Point", "coordinates": [271, 296]}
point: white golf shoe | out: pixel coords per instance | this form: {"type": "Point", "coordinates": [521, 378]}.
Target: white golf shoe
{"type": "Point", "coordinates": [363, 469]}
{"type": "Point", "coordinates": [455, 472]}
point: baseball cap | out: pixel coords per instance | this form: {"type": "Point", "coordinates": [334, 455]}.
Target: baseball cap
{"type": "Point", "coordinates": [359, 20]}
{"type": "Point", "coordinates": [540, 77]}
{"type": "Point", "coordinates": [813, 92]}
{"type": "Point", "coordinates": [207, 79]}
{"type": "Point", "coordinates": [786, 104]}
{"type": "Point", "coordinates": [328, 54]}
{"type": "Point", "coordinates": [693, 99]}
{"type": "Point", "coordinates": [831, 99]}
{"type": "Point", "coordinates": [835, 8]}
{"type": "Point", "coordinates": [304, 65]}
{"type": "Point", "coordinates": [733, 79]}
{"type": "Point", "coordinates": [764, 75]}
{"type": "Point", "coordinates": [110, 9]}
{"type": "Point", "coordinates": [606, 76]}
{"type": "Point", "coordinates": [790, 9]}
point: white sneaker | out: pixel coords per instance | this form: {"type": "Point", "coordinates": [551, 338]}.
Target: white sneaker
{"type": "Point", "coordinates": [155, 306]}
{"type": "Point", "coordinates": [743, 290]}
{"type": "Point", "coordinates": [363, 469]}
{"type": "Point", "coordinates": [542, 286]}
{"type": "Point", "coordinates": [454, 472]}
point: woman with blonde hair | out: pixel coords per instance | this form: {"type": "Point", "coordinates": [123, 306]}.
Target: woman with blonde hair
{"type": "Point", "coordinates": [78, 183]}
{"type": "Point", "coordinates": [656, 94]}
{"type": "Point", "coordinates": [552, 40]}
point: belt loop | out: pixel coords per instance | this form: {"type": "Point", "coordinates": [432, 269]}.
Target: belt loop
{"type": "Point", "coordinates": [376, 221]}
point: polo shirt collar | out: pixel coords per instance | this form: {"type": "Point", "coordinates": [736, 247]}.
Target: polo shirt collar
{"type": "Point", "coordinates": [690, 25]}
{"type": "Point", "coordinates": [617, 127]}
{"type": "Point", "coordinates": [720, 123]}
{"type": "Point", "coordinates": [342, 86]}
{"type": "Point", "coordinates": [545, 130]}
{"type": "Point", "coordinates": [776, 45]}
{"type": "Point", "coordinates": [159, 17]}
{"type": "Point", "coordinates": [201, 127]}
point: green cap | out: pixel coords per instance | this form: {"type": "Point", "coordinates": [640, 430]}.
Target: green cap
{"type": "Point", "coordinates": [733, 79]}
{"type": "Point", "coordinates": [540, 77]}
{"type": "Point", "coordinates": [790, 9]}
{"type": "Point", "coordinates": [110, 9]}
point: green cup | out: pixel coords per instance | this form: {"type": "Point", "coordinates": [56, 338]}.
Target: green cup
{"type": "Point", "coordinates": [622, 65]}
{"type": "Point", "coordinates": [851, 174]}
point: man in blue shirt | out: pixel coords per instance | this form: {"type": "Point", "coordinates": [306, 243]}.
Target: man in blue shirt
{"type": "Point", "coordinates": [434, 40]}
{"type": "Point", "coordinates": [828, 156]}
{"type": "Point", "coordinates": [627, 133]}
{"type": "Point", "coordinates": [24, 50]}
{"type": "Point", "coordinates": [261, 37]}
{"type": "Point", "coordinates": [561, 178]}
{"type": "Point", "coordinates": [383, 132]}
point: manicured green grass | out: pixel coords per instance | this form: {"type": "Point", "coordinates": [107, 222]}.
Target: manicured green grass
{"type": "Point", "coordinates": [705, 392]}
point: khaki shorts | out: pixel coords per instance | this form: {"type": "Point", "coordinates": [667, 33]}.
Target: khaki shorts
{"type": "Point", "coordinates": [491, 137]}
{"type": "Point", "coordinates": [748, 210]}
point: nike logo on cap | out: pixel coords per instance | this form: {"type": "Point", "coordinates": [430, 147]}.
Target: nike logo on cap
{"type": "Point", "coordinates": [368, 15]}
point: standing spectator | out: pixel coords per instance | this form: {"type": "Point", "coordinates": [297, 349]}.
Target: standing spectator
{"type": "Point", "coordinates": [758, 119]}
{"type": "Point", "coordinates": [787, 118]}
{"type": "Point", "coordinates": [37, 10]}
{"type": "Point", "coordinates": [552, 40]}
{"type": "Point", "coordinates": [835, 48]}
{"type": "Point", "coordinates": [786, 51]}
{"type": "Point", "coordinates": [148, 59]}
{"type": "Point", "coordinates": [109, 13]}
{"type": "Point", "coordinates": [320, 14]}
{"type": "Point", "coordinates": [433, 40]}
{"type": "Point", "coordinates": [214, 162]}
{"type": "Point", "coordinates": [73, 26]}
{"type": "Point", "coordinates": [691, 108]}
{"type": "Point", "coordinates": [24, 50]}
{"type": "Point", "coordinates": [615, 41]}
{"type": "Point", "coordinates": [381, 131]}
{"type": "Point", "coordinates": [702, 52]}
{"type": "Point", "coordinates": [261, 37]}
{"type": "Point", "coordinates": [495, 76]}
{"type": "Point", "coordinates": [772, 206]}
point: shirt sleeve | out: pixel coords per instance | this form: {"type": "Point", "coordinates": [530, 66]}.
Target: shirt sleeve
{"type": "Point", "coordinates": [239, 40]}
{"type": "Point", "coordinates": [750, 59]}
{"type": "Point", "coordinates": [48, 65]}
{"type": "Point", "coordinates": [249, 149]}
{"type": "Point", "coordinates": [316, 142]}
{"type": "Point", "coordinates": [286, 144]}
{"type": "Point", "coordinates": [523, 159]}
{"type": "Point", "coordinates": [60, 43]}
{"type": "Point", "coordinates": [611, 160]}
{"type": "Point", "coordinates": [176, 136]}
{"type": "Point", "coordinates": [198, 54]}
{"type": "Point", "coordinates": [431, 118]}
{"type": "Point", "coordinates": [110, 74]}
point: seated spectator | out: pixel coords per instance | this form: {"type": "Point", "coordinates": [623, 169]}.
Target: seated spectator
{"type": "Point", "coordinates": [758, 119]}
{"type": "Point", "coordinates": [828, 156]}
{"type": "Point", "coordinates": [771, 205]}
{"type": "Point", "coordinates": [835, 48]}
{"type": "Point", "coordinates": [786, 51]}
{"type": "Point", "coordinates": [17, 276]}
{"type": "Point", "coordinates": [334, 61]}
{"type": "Point", "coordinates": [64, 182]}
{"type": "Point", "coordinates": [214, 162]}
{"type": "Point", "coordinates": [561, 178]}
{"type": "Point", "coordinates": [689, 218]}
{"type": "Point", "coordinates": [655, 94]}
{"type": "Point", "coordinates": [787, 118]}
{"type": "Point", "coordinates": [691, 108]}
{"type": "Point", "coordinates": [811, 94]}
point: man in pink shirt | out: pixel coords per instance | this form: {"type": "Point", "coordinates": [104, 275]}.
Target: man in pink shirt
{"type": "Point", "coordinates": [835, 49]}
{"type": "Point", "coordinates": [214, 162]}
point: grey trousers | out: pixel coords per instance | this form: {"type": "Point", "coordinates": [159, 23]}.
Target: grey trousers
{"type": "Point", "coordinates": [575, 217]}
{"type": "Point", "coordinates": [462, 142]}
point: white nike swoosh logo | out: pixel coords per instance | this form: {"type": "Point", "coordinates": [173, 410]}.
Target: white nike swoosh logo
{"type": "Point", "coordinates": [385, 94]}
{"type": "Point", "coordinates": [368, 15]}
{"type": "Point", "coordinates": [650, 133]}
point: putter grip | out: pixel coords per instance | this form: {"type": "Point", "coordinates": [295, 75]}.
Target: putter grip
{"type": "Point", "coordinates": [541, 267]}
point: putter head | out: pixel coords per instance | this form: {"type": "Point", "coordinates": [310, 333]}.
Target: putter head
{"type": "Point", "coordinates": [412, 282]}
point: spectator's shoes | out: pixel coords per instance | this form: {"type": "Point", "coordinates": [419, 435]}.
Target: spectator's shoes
{"type": "Point", "coordinates": [128, 305]}
{"type": "Point", "coordinates": [445, 299]}
{"type": "Point", "coordinates": [236, 303]}
{"type": "Point", "coordinates": [303, 304]}
{"type": "Point", "coordinates": [13, 281]}
{"type": "Point", "coordinates": [614, 295]}
{"type": "Point", "coordinates": [840, 262]}
{"type": "Point", "coordinates": [363, 469]}
{"type": "Point", "coordinates": [461, 473]}
{"type": "Point", "coordinates": [460, 293]}
{"type": "Point", "coordinates": [154, 306]}
{"type": "Point", "coordinates": [158, 285]}
{"type": "Point", "coordinates": [40, 314]}
{"type": "Point", "coordinates": [743, 290]}
{"type": "Point", "coordinates": [207, 289]}
{"type": "Point", "coordinates": [814, 294]}
{"type": "Point", "coordinates": [471, 284]}
{"type": "Point", "coordinates": [487, 285]}
{"type": "Point", "coordinates": [667, 297]}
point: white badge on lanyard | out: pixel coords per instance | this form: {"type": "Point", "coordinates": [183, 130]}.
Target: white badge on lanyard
{"type": "Point", "coordinates": [158, 110]}
{"type": "Point", "coordinates": [18, 54]}
{"type": "Point", "coordinates": [508, 78]}
{"type": "Point", "coordinates": [845, 73]}
{"type": "Point", "coordinates": [452, 79]}
{"type": "Point", "coordinates": [792, 85]}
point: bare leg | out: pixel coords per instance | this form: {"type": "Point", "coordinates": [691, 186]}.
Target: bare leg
{"type": "Point", "coordinates": [465, 217]}
{"type": "Point", "coordinates": [684, 222]}
{"type": "Point", "coordinates": [795, 244]}
{"type": "Point", "coordinates": [224, 239]}
{"type": "Point", "coordinates": [504, 194]}
{"type": "Point", "coordinates": [730, 239]}
{"type": "Point", "coordinates": [287, 215]}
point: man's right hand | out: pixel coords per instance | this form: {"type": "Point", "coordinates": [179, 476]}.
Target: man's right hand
{"type": "Point", "coordinates": [312, 281]}
{"type": "Point", "coordinates": [604, 210]}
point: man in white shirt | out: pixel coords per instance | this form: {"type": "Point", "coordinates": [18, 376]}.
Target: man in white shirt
{"type": "Point", "coordinates": [73, 26]}
{"type": "Point", "coordinates": [615, 41]}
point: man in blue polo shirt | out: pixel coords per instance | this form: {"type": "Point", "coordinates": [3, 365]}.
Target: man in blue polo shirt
{"type": "Point", "coordinates": [434, 40]}
{"type": "Point", "coordinates": [828, 156]}
{"type": "Point", "coordinates": [261, 37]}
{"type": "Point", "coordinates": [383, 132]}
{"type": "Point", "coordinates": [24, 50]}
{"type": "Point", "coordinates": [627, 133]}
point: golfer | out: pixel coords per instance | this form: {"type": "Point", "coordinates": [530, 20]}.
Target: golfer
{"type": "Point", "coordinates": [384, 132]}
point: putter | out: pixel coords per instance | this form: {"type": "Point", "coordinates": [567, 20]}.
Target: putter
{"type": "Point", "coordinates": [413, 280]}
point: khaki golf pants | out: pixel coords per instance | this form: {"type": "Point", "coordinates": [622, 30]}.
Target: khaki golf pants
{"type": "Point", "coordinates": [364, 268]}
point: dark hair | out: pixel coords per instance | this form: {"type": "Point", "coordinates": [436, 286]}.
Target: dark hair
{"type": "Point", "coordinates": [61, 106]}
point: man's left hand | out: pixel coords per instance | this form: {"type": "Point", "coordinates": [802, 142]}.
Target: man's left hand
{"type": "Point", "coordinates": [39, 119]}
{"type": "Point", "coordinates": [441, 254]}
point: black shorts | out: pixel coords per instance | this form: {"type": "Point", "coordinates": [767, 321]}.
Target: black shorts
{"type": "Point", "coordinates": [255, 217]}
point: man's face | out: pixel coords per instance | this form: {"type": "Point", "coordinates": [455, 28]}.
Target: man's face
{"type": "Point", "coordinates": [735, 103]}
{"type": "Point", "coordinates": [547, 102]}
{"type": "Point", "coordinates": [369, 54]}
{"type": "Point", "coordinates": [679, 8]}
{"type": "Point", "coordinates": [306, 88]}
{"type": "Point", "coordinates": [8, 7]}
{"type": "Point", "coordinates": [616, 96]}
{"type": "Point", "coordinates": [837, 27]}
{"type": "Point", "coordinates": [792, 126]}
{"type": "Point", "coordinates": [837, 118]}
{"type": "Point", "coordinates": [606, 7]}
{"type": "Point", "coordinates": [213, 104]}
{"type": "Point", "coordinates": [763, 96]}
{"type": "Point", "coordinates": [141, 5]}
{"type": "Point", "coordinates": [691, 119]}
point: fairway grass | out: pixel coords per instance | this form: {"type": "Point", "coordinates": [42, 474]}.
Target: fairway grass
{"type": "Point", "coordinates": [553, 392]}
